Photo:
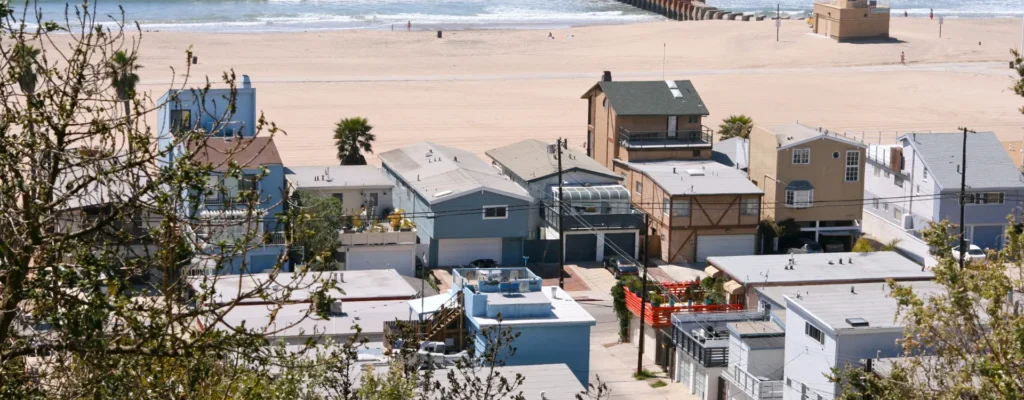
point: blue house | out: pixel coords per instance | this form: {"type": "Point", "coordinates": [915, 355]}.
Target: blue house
{"type": "Point", "coordinates": [462, 207]}
{"type": "Point", "coordinates": [190, 109]}
{"type": "Point", "coordinates": [553, 328]}
{"type": "Point", "coordinates": [917, 181]}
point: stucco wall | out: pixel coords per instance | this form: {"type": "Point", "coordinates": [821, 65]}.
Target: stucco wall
{"type": "Point", "coordinates": [548, 344]}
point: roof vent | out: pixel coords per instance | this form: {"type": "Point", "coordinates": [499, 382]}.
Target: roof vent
{"type": "Point", "coordinates": [429, 153]}
{"type": "Point", "coordinates": [695, 172]}
{"type": "Point", "coordinates": [671, 84]}
{"type": "Point", "coordinates": [607, 77]}
{"type": "Point", "coordinates": [857, 322]}
{"type": "Point", "coordinates": [676, 93]}
{"type": "Point", "coordinates": [439, 195]}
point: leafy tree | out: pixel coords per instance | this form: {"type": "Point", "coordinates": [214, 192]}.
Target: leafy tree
{"type": "Point", "coordinates": [714, 290]}
{"type": "Point", "coordinates": [963, 342]}
{"type": "Point", "coordinates": [597, 390]}
{"type": "Point", "coordinates": [352, 137]}
{"type": "Point", "coordinates": [1018, 66]}
{"type": "Point", "coordinates": [317, 232]}
{"type": "Point", "coordinates": [619, 304]}
{"type": "Point", "coordinates": [476, 377]}
{"type": "Point", "coordinates": [736, 126]}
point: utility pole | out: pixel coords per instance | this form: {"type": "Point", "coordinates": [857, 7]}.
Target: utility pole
{"type": "Point", "coordinates": [963, 198]}
{"type": "Point", "coordinates": [778, 20]}
{"type": "Point", "coordinates": [561, 219]}
{"type": "Point", "coordinates": [643, 296]}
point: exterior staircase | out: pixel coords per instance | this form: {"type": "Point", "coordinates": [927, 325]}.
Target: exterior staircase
{"type": "Point", "coordinates": [449, 313]}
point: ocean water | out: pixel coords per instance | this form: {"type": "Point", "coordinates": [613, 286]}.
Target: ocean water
{"type": "Point", "coordinates": [304, 15]}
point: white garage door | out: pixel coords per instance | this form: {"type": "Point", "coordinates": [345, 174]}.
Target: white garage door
{"type": "Point", "coordinates": [453, 252]}
{"type": "Point", "coordinates": [400, 258]}
{"type": "Point", "coordinates": [724, 245]}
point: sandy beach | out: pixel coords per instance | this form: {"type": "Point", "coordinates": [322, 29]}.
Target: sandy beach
{"type": "Point", "coordinates": [482, 89]}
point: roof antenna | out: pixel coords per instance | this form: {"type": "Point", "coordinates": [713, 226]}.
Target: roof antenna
{"type": "Point", "coordinates": [664, 52]}
{"type": "Point", "coordinates": [852, 290]}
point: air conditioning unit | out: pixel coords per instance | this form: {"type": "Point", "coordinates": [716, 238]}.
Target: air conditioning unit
{"type": "Point", "coordinates": [908, 222]}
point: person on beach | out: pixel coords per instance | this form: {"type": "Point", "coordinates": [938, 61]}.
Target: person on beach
{"type": "Point", "coordinates": [931, 13]}
{"type": "Point", "coordinates": [550, 35]}
{"type": "Point", "coordinates": [903, 58]}
{"type": "Point", "coordinates": [408, 26]}
{"type": "Point", "coordinates": [905, 14]}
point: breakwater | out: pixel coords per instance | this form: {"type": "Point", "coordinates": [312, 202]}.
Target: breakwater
{"type": "Point", "coordinates": [687, 10]}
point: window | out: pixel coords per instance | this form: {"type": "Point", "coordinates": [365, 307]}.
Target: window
{"type": "Point", "coordinates": [814, 333]}
{"type": "Point", "coordinates": [897, 181]}
{"type": "Point", "coordinates": [639, 187]}
{"type": "Point", "coordinates": [875, 201]}
{"type": "Point", "coordinates": [799, 198]}
{"type": "Point", "coordinates": [801, 156]}
{"type": "Point", "coordinates": [925, 176]}
{"type": "Point", "coordinates": [213, 189]}
{"type": "Point", "coordinates": [878, 171]}
{"type": "Point", "coordinates": [835, 155]}
{"type": "Point", "coordinates": [985, 198]}
{"type": "Point", "coordinates": [693, 119]}
{"type": "Point", "coordinates": [681, 208]}
{"type": "Point", "coordinates": [749, 207]}
{"type": "Point", "coordinates": [665, 205]}
{"type": "Point", "coordinates": [605, 104]}
{"type": "Point", "coordinates": [853, 166]}
{"type": "Point", "coordinates": [885, 206]}
{"type": "Point", "coordinates": [918, 188]}
{"type": "Point", "coordinates": [495, 212]}
{"type": "Point", "coordinates": [181, 120]}
{"type": "Point", "coordinates": [886, 174]}
{"type": "Point", "coordinates": [897, 213]}
{"type": "Point", "coordinates": [339, 196]}
{"type": "Point", "coordinates": [248, 183]}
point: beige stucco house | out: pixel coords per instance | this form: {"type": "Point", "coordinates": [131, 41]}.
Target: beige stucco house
{"type": "Point", "coordinates": [651, 134]}
{"type": "Point", "coordinates": [848, 20]}
{"type": "Point", "coordinates": [812, 177]}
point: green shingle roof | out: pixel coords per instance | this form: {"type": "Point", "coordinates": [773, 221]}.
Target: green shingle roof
{"type": "Point", "coordinates": [653, 98]}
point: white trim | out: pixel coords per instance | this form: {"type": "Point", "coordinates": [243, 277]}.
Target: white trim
{"type": "Point", "coordinates": [824, 136]}
{"type": "Point", "coordinates": [846, 165]}
{"type": "Point", "coordinates": [792, 157]}
{"type": "Point", "coordinates": [483, 211]}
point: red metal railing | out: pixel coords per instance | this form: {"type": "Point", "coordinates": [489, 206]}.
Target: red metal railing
{"type": "Point", "coordinates": [661, 316]}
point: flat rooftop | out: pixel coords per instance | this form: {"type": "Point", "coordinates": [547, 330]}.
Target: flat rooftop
{"type": "Point", "coordinates": [832, 305]}
{"type": "Point", "coordinates": [820, 268]}
{"type": "Point", "coordinates": [299, 321]}
{"type": "Point", "coordinates": [755, 329]}
{"type": "Point", "coordinates": [565, 310]}
{"type": "Point", "coordinates": [556, 381]}
{"type": "Point", "coordinates": [337, 177]}
{"type": "Point", "coordinates": [696, 177]}
{"type": "Point", "coordinates": [382, 284]}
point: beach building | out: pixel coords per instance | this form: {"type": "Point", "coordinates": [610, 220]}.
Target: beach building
{"type": "Point", "coordinates": [852, 20]}
{"type": "Point", "coordinates": [599, 219]}
{"type": "Point", "coordinates": [463, 208]}
{"type": "Point", "coordinates": [742, 274]}
{"type": "Point", "coordinates": [552, 327]}
{"type": "Point", "coordinates": [181, 110]}
{"type": "Point", "coordinates": [917, 181]}
{"type": "Point", "coordinates": [733, 152]}
{"type": "Point", "coordinates": [223, 216]}
{"type": "Point", "coordinates": [705, 345]}
{"type": "Point", "coordinates": [698, 208]}
{"type": "Point", "coordinates": [373, 242]}
{"type": "Point", "coordinates": [812, 179]}
{"type": "Point", "coordinates": [369, 299]}
{"type": "Point", "coordinates": [837, 329]}
{"type": "Point", "coordinates": [645, 120]}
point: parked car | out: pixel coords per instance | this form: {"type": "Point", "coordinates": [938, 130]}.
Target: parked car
{"type": "Point", "coordinates": [483, 263]}
{"type": "Point", "coordinates": [834, 247]}
{"type": "Point", "coordinates": [806, 246]}
{"type": "Point", "coordinates": [619, 266]}
{"type": "Point", "coordinates": [974, 253]}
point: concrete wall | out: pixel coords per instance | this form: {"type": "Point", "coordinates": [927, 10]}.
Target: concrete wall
{"type": "Point", "coordinates": [845, 24]}
{"type": "Point", "coordinates": [567, 344]}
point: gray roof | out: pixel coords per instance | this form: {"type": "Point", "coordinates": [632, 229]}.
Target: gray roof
{"type": "Point", "coordinates": [816, 268]}
{"type": "Point", "coordinates": [337, 176]}
{"type": "Point", "coordinates": [105, 186]}
{"type": "Point", "coordinates": [988, 164]}
{"type": "Point", "coordinates": [776, 294]}
{"type": "Point", "coordinates": [652, 98]}
{"type": "Point", "coordinates": [870, 302]}
{"type": "Point", "coordinates": [696, 177]}
{"type": "Point", "coordinates": [353, 286]}
{"type": "Point", "coordinates": [756, 329]}
{"type": "Point", "coordinates": [732, 152]}
{"type": "Point", "coordinates": [440, 173]}
{"type": "Point", "coordinates": [556, 381]}
{"type": "Point", "coordinates": [530, 160]}
{"type": "Point", "coordinates": [790, 134]}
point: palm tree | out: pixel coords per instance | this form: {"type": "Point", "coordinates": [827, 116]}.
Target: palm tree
{"type": "Point", "coordinates": [892, 245]}
{"type": "Point", "coordinates": [26, 60]}
{"type": "Point", "coordinates": [736, 125]}
{"type": "Point", "coordinates": [123, 78]}
{"type": "Point", "coordinates": [352, 137]}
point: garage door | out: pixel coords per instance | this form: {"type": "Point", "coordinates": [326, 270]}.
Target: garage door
{"type": "Point", "coordinates": [454, 252]}
{"type": "Point", "coordinates": [399, 258]}
{"type": "Point", "coordinates": [624, 242]}
{"type": "Point", "coordinates": [724, 245]}
{"type": "Point", "coordinates": [580, 248]}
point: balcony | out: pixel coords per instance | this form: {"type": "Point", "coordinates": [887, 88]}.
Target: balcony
{"type": "Point", "coordinates": [709, 348]}
{"type": "Point", "coordinates": [372, 238]}
{"type": "Point", "coordinates": [702, 138]}
{"type": "Point", "coordinates": [660, 315]}
{"type": "Point", "coordinates": [758, 388]}
{"type": "Point", "coordinates": [631, 219]}
{"type": "Point", "coordinates": [497, 280]}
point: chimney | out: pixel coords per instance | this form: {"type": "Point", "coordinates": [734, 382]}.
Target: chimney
{"type": "Point", "coordinates": [246, 83]}
{"type": "Point", "coordinates": [554, 292]}
{"type": "Point", "coordinates": [607, 77]}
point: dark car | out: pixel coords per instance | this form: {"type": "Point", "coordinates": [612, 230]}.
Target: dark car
{"type": "Point", "coordinates": [806, 246]}
{"type": "Point", "coordinates": [483, 263]}
{"type": "Point", "coordinates": [619, 266]}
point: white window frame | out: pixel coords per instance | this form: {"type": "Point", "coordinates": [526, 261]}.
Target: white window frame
{"type": "Point", "coordinates": [981, 198]}
{"type": "Point", "coordinates": [639, 187]}
{"type": "Point", "coordinates": [814, 333]}
{"type": "Point", "coordinates": [925, 176]}
{"type": "Point", "coordinates": [897, 213]}
{"type": "Point", "coordinates": [496, 206]}
{"type": "Point", "coordinates": [681, 207]}
{"type": "Point", "coordinates": [855, 168]}
{"type": "Point", "coordinates": [791, 198]}
{"type": "Point", "coordinates": [801, 156]}
{"type": "Point", "coordinates": [749, 206]}
{"type": "Point", "coordinates": [666, 205]}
